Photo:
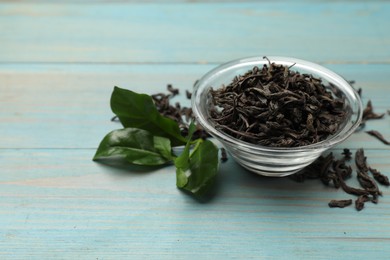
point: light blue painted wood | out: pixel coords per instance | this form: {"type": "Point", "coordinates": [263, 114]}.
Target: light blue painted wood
{"type": "Point", "coordinates": [59, 204]}
{"type": "Point", "coordinates": [58, 65]}
{"type": "Point", "coordinates": [195, 32]}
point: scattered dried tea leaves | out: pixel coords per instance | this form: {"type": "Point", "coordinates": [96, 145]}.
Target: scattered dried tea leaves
{"type": "Point", "coordinates": [339, 203]}
{"type": "Point", "coordinates": [369, 114]}
{"type": "Point", "coordinates": [223, 155]}
{"type": "Point", "coordinates": [347, 154]}
{"type": "Point", "coordinates": [329, 170]}
{"type": "Point", "coordinates": [368, 184]}
{"type": "Point", "coordinates": [359, 202]}
{"type": "Point", "coordinates": [275, 106]}
{"type": "Point", "coordinates": [174, 91]}
{"type": "Point", "coordinates": [378, 135]}
{"type": "Point", "coordinates": [379, 177]}
{"type": "Point", "coordinates": [359, 91]}
{"type": "Point", "coordinates": [188, 94]}
{"type": "Point", "coordinates": [361, 160]}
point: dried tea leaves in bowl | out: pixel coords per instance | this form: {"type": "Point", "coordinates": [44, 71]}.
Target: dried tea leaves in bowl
{"type": "Point", "coordinates": [277, 107]}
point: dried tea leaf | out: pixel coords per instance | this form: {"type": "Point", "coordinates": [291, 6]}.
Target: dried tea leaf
{"type": "Point", "coordinates": [378, 135]}
{"type": "Point", "coordinates": [339, 203]}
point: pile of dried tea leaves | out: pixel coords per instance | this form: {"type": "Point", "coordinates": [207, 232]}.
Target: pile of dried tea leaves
{"type": "Point", "coordinates": [277, 107]}
{"type": "Point", "coordinates": [335, 172]}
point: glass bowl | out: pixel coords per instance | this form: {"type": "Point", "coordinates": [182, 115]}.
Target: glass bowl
{"type": "Point", "coordinates": [264, 160]}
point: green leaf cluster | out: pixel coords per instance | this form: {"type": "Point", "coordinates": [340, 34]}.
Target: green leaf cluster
{"type": "Point", "coordinates": [138, 111]}
{"type": "Point", "coordinates": [147, 139]}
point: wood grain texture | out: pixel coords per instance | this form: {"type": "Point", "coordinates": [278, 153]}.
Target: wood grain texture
{"type": "Point", "coordinates": [56, 203]}
{"type": "Point", "coordinates": [58, 65]}
{"type": "Point", "coordinates": [64, 206]}
{"type": "Point", "coordinates": [353, 32]}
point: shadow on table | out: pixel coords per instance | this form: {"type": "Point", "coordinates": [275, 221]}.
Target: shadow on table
{"type": "Point", "coordinates": [238, 181]}
{"type": "Point", "coordinates": [233, 182]}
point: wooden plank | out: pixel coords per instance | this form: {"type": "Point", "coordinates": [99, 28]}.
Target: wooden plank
{"type": "Point", "coordinates": [342, 32]}
{"type": "Point", "coordinates": [63, 106]}
{"type": "Point", "coordinates": [60, 204]}
{"type": "Point", "coordinates": [58, 65]}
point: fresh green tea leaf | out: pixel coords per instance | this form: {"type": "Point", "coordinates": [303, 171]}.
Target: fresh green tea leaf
{"type": "Point", "coordinates": [163, 146]}
{"type": "Point", "coordinates": [191, 130]}
{"type": "Point", "coordinates": [182, 162]}
{"type": "Point", "coordinates": [136, 146]}
{"type": "Point", "coordinates": [196, 173]}
{"type": "Point", "coordinates": [138, 111]}
{"type": "Point", "coordinates": [181, 177]}
{"type": "Point", "coordinates": [203, 167]}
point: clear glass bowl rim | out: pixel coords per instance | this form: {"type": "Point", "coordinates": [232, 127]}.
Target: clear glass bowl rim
{"type": "Point", "coordinates": [287, 61]}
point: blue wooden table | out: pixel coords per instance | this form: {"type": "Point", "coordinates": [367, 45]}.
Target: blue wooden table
{"type": "Point", "coordinates": [59, 62]}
